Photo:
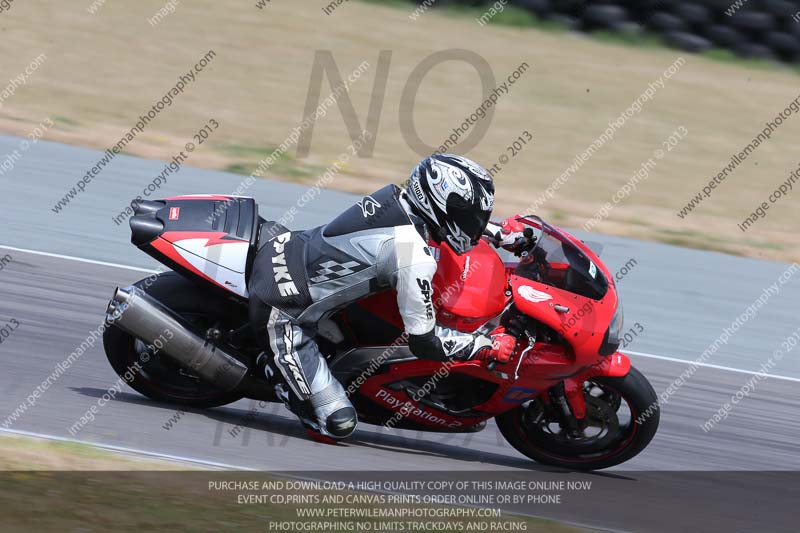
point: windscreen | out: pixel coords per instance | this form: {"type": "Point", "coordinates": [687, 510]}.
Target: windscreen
{"type": "Point", "coordinates": [556, 261]}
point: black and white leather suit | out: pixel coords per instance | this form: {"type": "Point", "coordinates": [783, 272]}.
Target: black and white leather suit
{"type": "Point", "coordinates": [301, 277]}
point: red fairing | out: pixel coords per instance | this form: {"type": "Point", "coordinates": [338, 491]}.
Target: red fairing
{"type": "Point", "coordinates": [584, 333]}
{"type": "Point", "coordinates": [168, 249]}
{"type": "Point", "coordinates": [408, 408]}
{"type": "Point", "coordinates": [384, 305]}
{"type": "Point", "coordinates": [469, 290]}
{"type": "Point", "coordinates": [584, 322]}
{"type": "Point", "coordinates": [614, 366]}
{"type": "Point", "coordinates": [218, 197]}
{"type": "Point", "coordinates": [214, 237]}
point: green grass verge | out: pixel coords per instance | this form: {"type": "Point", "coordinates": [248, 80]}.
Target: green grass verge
{"type": "Point", "coordinates": [250, 156]}
{"type": "Point", "coordinates": [105, 491]}
{"type": "Point", "coordinates": [182, 501]}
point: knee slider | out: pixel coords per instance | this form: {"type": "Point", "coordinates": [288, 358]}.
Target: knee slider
{"type": "Point", "coordinates": [342, 423]}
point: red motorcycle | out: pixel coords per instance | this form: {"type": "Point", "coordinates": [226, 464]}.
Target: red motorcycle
{"type": "Point", "coordinates": [567, 397]}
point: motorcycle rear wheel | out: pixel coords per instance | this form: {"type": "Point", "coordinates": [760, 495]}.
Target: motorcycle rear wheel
{"type": "Point", "coordinates": [160, 378]}
{"type": "Point", "coordinates": [529, 430]}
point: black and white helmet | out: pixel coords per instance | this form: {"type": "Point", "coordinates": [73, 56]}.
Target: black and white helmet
{"type": "Point", "coordinates": [454, 196]}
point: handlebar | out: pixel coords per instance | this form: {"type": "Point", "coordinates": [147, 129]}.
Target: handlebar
{"type": "Point", "coordinates": [524, 244]}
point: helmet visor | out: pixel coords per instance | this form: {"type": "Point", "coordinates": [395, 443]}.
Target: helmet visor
{"type": "Point", "coordinates": [470, 218]}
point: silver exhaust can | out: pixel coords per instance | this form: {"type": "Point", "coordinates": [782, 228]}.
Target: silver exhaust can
{"type": "Point", "coordinates": [144, 317]}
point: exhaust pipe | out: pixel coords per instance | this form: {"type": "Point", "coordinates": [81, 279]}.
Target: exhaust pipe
{"type": "Point", "coordinates": [144, 317]}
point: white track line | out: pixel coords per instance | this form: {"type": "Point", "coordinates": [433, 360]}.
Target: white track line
{"type": "Point", "coordinates": [707, 365]}
{"type": "Point", "coordinates": [639, 354]}
{"type": "Point", "coordinates": [78, 259]}
{"type": "Point", "coordinates": [123, 449]}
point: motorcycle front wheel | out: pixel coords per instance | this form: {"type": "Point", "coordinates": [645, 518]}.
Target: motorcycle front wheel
{"type": "Point", "coordinates": [622, 416]}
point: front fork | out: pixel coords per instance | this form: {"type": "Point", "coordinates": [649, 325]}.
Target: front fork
{"type": "Point", "coordinates": [573, 391]}
{"type": "Point", "coordinates": [566, 401]}
{"type": "Point", "coordinates": [568, 395]}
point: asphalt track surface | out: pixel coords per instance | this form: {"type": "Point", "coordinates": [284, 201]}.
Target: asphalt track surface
{"type": "Point", "coordinates": [682, 298]}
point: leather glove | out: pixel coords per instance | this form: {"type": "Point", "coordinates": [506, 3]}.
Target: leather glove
{"type": "Point", "coordinates": [501, 350]}
{"type": "Point", "coordinates": [511, 231]}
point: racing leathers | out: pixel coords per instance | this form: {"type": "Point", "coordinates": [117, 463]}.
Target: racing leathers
{"type": "Point", "coordinates": [299, 278]}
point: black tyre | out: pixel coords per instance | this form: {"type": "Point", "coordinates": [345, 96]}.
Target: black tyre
{"type": "Point", "coordinates": [779, 8]}
{"type": "Point", "coordinates": [646, 7]}
{"type": "Point", "coordinates": [603, 17]}
{"type": "Point", "coordinates": [622, 415]}
{"type": "Point", "coordinates": [541, 8]}
{"type": "Point", "coordinates": [630, 29]}
{"type": "Point", "coordinates": [717, 7]}
{"type": "Point", "coordinates": [160, 378]}
{"type": "Point", "coordinates": [754, 51]}
{"type": "Point", "coordinates": [792, 27]}
{"type": "Point", "coordinates": [569, 23]}
{"type": "Point", "coordinates": [694, 15]}
{"type": "Point", "coordinates": [665, 22]}
{"type": "Point", "coordinates": [725, 36]}
{"type": "Point", "coordinates": [687, 41]}
{"type": "Point", "coordinates": [573, 8]}
{"type": "Point", "coordinates": [785, 45]}
{"type": "Point", "coordinates": [753, 21]}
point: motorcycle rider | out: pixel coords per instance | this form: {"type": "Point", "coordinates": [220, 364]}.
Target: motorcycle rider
{"type": "Point", "coordinates": [381, 242]}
